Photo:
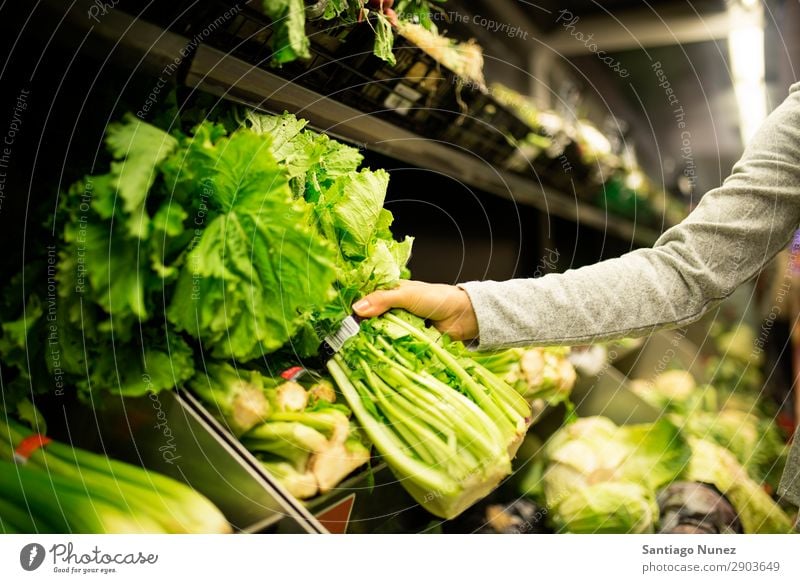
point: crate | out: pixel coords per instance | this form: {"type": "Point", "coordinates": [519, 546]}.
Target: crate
{"type": "Point", "coordinates": [172, 434]}
{"type": "Point", "coordinates": [487, 129]}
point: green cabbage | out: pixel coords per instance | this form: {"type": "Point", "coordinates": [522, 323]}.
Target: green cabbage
{"type": "Point", "coordinates": [608, 507]}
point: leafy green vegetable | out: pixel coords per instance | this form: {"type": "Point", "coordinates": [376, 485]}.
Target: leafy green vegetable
{"type": "Point", "coordinates": [289, 21]}
{"type": "Point", "coordinates": [608, 507]}
{"type": "Point", "coordinates": [346, 209]}
{"type": "Point", "coordinates": [384, 39]}
{"type": "Point", "coordinates": [68, 490]}
{"type": "Point", "coordinates": [630, 462]}
{"type": "Point", "coordinates": [713, 464]}
{"type": "Point", "coordinates": [256, 267]}
{"type": "Point", "coordinates": [138, 148]}
{"type": "Point", "coordinates": [536, 373]}
{"type": "Point", "coordinates": [446, 426]}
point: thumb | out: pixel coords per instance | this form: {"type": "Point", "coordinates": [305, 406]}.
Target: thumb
{"type": "Point", "coordinates": [378, 302]}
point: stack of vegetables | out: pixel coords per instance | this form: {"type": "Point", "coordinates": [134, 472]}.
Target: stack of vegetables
{"type": "Point", "coordinates": [599, 477]}
{"type": "Point", "coordinates": [538, 374]}
{"type": "Point", "coordinates": [290, 41]}
{"type": "Point", "coordinates": [206, 257]}
{"type": "Point", "coordinates": [737, 423]}
{"type": "Point", "coordinates": [596, 477]}
{"type": "Point", "coordinates": [299, 433]}
{"type": "Point", "coordinates": [49, 487]}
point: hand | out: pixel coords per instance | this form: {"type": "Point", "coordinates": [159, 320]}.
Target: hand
{"type": "Point", "coordinates": [447, 306]}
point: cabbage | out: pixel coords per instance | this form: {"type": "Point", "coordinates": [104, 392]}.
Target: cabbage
{"type": "Point", "coordinates": [603, 478]}
{"type": "Point", "coordinates": [608, 507]}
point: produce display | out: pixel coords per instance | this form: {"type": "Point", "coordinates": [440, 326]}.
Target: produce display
{"type": "Point", "coordinates": [574, 153]}
{"type": "Point", "coordinates": [210, 257]}
{"type": "Point", "coordinates": [290, 41]}
{"type": "Point", "coordinates": [301, 435]}
{"type": "Point", "coordinates": [599, 477]}
{"type": "Point", "coordinates": [536, 373]}
{"type": "Point", "coordinates": [700, 468]}
{"type": "Point", "coordinates": [50, 487]}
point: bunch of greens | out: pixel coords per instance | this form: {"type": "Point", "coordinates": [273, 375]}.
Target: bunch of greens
{"type": "Point", "coordinates": [61, 489]}
{"type": "Point", "coordinates": [738, 423]}
{"type": "Point", "coordinates": [444, 424]}
{"type": "Point", "coordinates": [290, 42]}
{"type": "Point", "coordinates": [536, 373]}
{"type": "Point", "coordinates": [758, 512]}
{"type": "Point", "coordinates": [345, 210]}
{"type": "Point", "coordinates": [598, 477]}
{"type": "Point", "coordinates": [232, 242]}
{"type": "Point", "coordinates": [300, 434]}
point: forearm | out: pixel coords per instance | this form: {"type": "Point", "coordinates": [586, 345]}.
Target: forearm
{"type": "Point", "coordinates": [732, 234]}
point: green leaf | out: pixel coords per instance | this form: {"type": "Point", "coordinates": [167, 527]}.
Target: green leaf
{"type": "Point", "coordinates": [289, 39]}
{"type": "Point", "coordinates": [357, 202]}
{"type": "Point", "coordinates": [384, 39]}
{"type": "Point", "coordinates": [138, 148]}
{"type": "Point", "coordinates": [257, 267]}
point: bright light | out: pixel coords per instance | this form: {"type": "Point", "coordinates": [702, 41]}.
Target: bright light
{"type": "Point", "coordinates": [746, 48]}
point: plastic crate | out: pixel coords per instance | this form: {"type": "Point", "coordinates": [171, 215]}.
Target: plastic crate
{"type": "Point", "coordinates": [248, 34]}
{"type": "Point", "coordinates": [487, 129]}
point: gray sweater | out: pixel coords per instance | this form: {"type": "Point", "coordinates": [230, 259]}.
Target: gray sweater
{"type": "Point", "coordinates": [731, 235]}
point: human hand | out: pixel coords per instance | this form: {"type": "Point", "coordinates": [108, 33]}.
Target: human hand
{"type": "Point", "coordinates": [447, 306]}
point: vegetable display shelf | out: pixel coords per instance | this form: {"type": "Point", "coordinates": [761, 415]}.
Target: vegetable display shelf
{"type": "Point", "coordinates": [172, 434]}
{"type": "Point", "coordinates": [230, 78]}
{"type": "Point", "coordinates": [416, 92]}
{"type": "Point", "coordinates": [126, 40]}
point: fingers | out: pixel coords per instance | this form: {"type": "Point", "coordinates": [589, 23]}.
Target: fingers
{"type": "Point", "coordinates": [406, 295]}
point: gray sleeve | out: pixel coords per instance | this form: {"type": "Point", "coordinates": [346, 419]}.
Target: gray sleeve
{"type": "Point", "coordinates": [734, 231]}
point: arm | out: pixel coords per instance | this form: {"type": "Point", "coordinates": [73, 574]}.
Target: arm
{"type": "Point", "coordinates": [730, 236]}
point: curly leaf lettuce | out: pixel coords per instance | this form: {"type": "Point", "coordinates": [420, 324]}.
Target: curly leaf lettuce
{"type": "Point", "coordinates": [256, 268]}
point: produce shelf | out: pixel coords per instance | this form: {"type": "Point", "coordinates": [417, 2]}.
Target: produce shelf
{"type": "Point", "coordinates": [172, 434]}
{"type": "Point", "coordinates": [140, 45]}
{"type": "Point", "coordinates": [230, 78]}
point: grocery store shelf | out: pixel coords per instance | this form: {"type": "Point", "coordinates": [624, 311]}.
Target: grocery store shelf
{"type": "Point", "coordinates": [143, 46]}
{"type": "Point", "coordinates": [234, 79]}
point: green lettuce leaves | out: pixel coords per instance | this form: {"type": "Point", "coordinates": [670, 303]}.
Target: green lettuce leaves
{"type": "Point", "coordinates": [255, 267]}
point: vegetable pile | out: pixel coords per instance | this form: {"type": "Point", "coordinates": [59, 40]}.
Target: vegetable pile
{"type": "Point", "coordinates": [536, 373]}
{"type": "Point", "coordinates": [213, 257]}
{"type": "Point", "coordinates": [598, 477]}
{"type": "Point", "coordinates": [299, 433]}
{"type": "Point", "coordinates": [445, 425]}
{"type": "Point", "coordinates": [60, 489]}
{"type": "Point", "coordinates": [601, 478]}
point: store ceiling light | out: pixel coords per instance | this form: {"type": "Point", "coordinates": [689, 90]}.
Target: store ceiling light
{"type": "Point", "coordinates": [746, 49]}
